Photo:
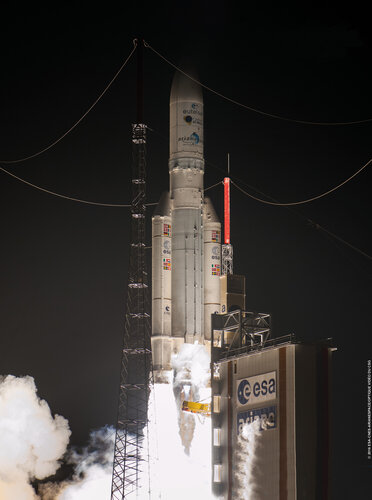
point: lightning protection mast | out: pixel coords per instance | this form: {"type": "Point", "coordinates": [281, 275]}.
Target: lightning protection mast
{"type": "Point", "coordinates": [227, 249]}
{"type": "Point", "coordinates": [131, 458]}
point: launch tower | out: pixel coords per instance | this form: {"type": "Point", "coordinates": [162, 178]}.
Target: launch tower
{"type": "Point", "coordinates": [130, 457]}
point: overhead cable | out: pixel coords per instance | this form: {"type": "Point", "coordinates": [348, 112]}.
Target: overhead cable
{"type": "Point", "coordinates": [313, 224]}
{"type": "Point", "coordinates": [8, 162]}
{"type": "Point", "coordinates": [308, 200]}
{"type": "Point", "coordinates": [61, 195]}
{"type": "Point", "coordinates": [319, 227]}
{"type": "Point", "coordinates": [255, 110]}
{"type": "Point", "coordinates": [70, 198]}
{"type": "Point", "coordinates": [214, 185]}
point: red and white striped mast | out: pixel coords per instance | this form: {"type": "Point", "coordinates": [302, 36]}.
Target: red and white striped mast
{"type": "Point", "coordinates": [227, 249]}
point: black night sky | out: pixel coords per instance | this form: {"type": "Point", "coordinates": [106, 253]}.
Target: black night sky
{"type": "Point", "coordinates": [64, 264]}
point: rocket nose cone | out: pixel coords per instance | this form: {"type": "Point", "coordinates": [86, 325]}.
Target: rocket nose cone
{"type": "Point", "coordinates": [163, 207]}
{"type": "Point", "coordinates": [209, 211]}
{"type": "Point", "coordinates": [183, 88]}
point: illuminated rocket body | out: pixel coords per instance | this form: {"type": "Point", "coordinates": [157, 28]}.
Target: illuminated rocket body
{"type": "Point", "coordinates": [186, 255]}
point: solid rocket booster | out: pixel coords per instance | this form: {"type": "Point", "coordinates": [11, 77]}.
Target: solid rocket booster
{"type": "Point", "coordinates": [186, 237]}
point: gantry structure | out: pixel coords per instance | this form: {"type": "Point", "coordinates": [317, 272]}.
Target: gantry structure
{"type": "Point", "coordinates": [131, 455]}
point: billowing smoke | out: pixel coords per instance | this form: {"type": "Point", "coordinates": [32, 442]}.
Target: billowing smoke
{"type": "Point", "coordinates": [177, 472]}
{"type": "Point", "coordinates": [93, 470]}
{"type": "Point", "coordinates": [32, 441]}
{"type": "Point", "coordinates": [191, 378]}
{"type": "Point", "coordinates": [246, 466]}
{"type": "Point", "coordinates": [192, 362]}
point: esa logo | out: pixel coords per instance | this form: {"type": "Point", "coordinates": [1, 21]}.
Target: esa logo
{"type": "Point", "coordinates": [244, 392]}
{"type": "Point", "coordinates": [167, 247]}
{"type": "Point", "coordinates": [256, 389]}
{"type": "Point", "coordinates": [216, 253]}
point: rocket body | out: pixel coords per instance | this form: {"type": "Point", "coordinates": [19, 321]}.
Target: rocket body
{"type": "Point", "coordinates": [186, 250]}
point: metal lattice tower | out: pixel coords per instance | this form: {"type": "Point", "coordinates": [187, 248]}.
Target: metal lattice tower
{"type": "Point", "coordinates": [227, 259]}
{"type": "Point", "coordinates": [131, 460]}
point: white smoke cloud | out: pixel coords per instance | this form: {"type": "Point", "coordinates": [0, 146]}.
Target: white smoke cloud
{"type": "Point", "coordinates": [192, 362]}
{"type": "Point", "coordinates": [93, 471]}
{"type": "Point", "coordinates": [32, 441]}
{"type": "Point", "coordinates": [175, 474]}
{"type": "Point", "coordinates": [245, 461]}
{"type": "Point", "coordinates": [178, 470]}
{"type": "Point", "coordinates": [191, 376]}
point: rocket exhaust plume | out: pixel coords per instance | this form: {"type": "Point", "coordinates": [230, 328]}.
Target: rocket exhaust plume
{"type": "Point", "coordinates": [32, 441]}
{"type": "Point", "coordinates": [191, 377]}
{"type": "Point", "coordinates": [182, 468]}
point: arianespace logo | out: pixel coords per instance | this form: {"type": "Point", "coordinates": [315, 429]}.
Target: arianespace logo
{"type": "Point", "coordinates": [193, 139]}
{"type": "Point", "coordinates": [256, 389]}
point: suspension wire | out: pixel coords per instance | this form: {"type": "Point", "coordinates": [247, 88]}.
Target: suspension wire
{"type": "Point", "coordinates": [274, 202]}
{"type": "Point", "coordinates": [223, 170]}
{"type": "Point", "coordinates": [329, 233]}
{"type": "Point", "coordinates": [8, 162]}
{"type": "Point", "coordinates": [313, 224]}
{"type": "Point", "coordinates": [288, 207]}
{"type": "Point", "coordinates": [70, 198]}
{"type": "Point", "coordinates": [343, 251]}
{"type": "Point", "coordinates": [255, 110]}
{"type": "Point", "coordinates": [62, 195]}
{"type": "Point", "coordinates": [214, 185]}
{"type": "Point", "coordinates": [307, 200]}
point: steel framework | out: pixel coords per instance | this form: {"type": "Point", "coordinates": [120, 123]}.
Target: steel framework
{"type": "Point", "coordinates": [131, 460]}
{"type": "Point", "coordinates": [227, 259]}
{"type": "Point", "coordinates": [238, 329]}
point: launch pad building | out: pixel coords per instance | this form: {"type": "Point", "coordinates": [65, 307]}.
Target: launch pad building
{"type": "Point", "coordinates": [283, 385]}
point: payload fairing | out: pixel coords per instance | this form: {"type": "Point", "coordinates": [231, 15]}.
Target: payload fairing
{"type": "Point", "coordinates": [186, 238]}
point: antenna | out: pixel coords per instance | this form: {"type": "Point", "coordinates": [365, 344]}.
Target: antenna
{"type": "Point", "coordinates": [227, 249]}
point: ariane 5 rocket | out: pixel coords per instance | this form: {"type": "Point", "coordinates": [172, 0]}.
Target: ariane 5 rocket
{"type": "Point", "coordinates": [186, 238]}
